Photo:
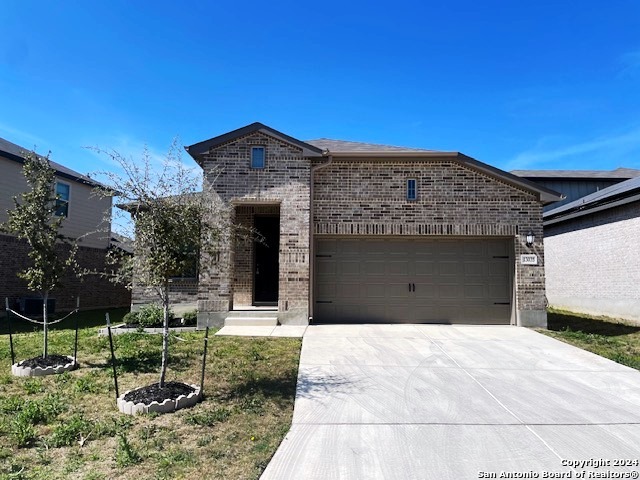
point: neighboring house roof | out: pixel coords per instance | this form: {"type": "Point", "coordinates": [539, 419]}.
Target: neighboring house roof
{"type": "Point", "coordinates": [121, 242]}
{"type": "Point", "coordinates": [17, 153]}
{"type": "Point", "coordinates": [343, 146]}
{"type": "Point", "coordinates": [357, 150]}
{"type": "Point", "coordinates": [613, 196]}
{"type": "Point", "coordinates": [617, 174]}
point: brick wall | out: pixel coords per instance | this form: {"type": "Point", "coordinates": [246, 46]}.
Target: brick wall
{"type": "Point", "coordinates": [283, 183]}
{"type": "Point", "coordinates": [181, 291]}
{"type": "Point", "coordinates": [593, 263]}
{"type": "Point", "coordinates": [369, 198]}
{"type": "Point", "coordinates": [354, 198]}
{"type": "Point", "coordinates": [94, 291]}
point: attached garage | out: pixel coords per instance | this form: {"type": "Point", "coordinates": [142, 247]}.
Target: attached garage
{"type": "Point", "coordinates": [413, 280]}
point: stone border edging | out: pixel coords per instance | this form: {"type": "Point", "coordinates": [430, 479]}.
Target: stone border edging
{"type": "Point", "coordinates": [20, 371]}
{"type": "Point", "coordinates": [168, 405]}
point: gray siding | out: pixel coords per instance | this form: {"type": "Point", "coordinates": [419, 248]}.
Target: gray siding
{"type": "Point", "coordinates": [86, 212]}
{"type": "Point", "coordinates": [593, 263]}
{"type": "Point", "coordinates": [574, 189]}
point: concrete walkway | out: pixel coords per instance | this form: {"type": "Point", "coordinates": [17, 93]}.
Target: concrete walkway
{"type": "Point", "coordinates": [454, 402]}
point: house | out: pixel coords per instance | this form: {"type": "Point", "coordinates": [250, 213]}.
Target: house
{"type": "Point", "coordinates": [84, 214]}
{"type": "Point", "coordinates": [356, 232]}
{"type": "Point", "coordinates": [574, 184]}
{"type": "Point", "coordinates": [592, 253]}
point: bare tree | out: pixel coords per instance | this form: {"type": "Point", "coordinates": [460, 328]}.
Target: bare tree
{"type": "Point", "coordinates": [173, 222]}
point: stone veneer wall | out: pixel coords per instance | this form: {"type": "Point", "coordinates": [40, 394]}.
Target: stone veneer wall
{"type": "Point", "coordinates": [369, 198]}
{"type": "Point", "coordinates": [231, 183]}
{"type": "Point", "coordinates": [593, 263]}
{"type": "Point", "coordinates": [94, 291]}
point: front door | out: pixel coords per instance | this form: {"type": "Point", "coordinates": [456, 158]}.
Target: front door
{"type": "Point", "coordinates": [266, 271]}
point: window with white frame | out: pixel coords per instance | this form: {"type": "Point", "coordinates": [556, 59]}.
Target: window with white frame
{"type": "Point", "coordinates": [257, 157]}
{"type": "Point", "coordinates": [62, 199]}
{"type": "Point", "coordinates": [412, 189]}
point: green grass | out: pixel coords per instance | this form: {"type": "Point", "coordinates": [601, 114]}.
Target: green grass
{"type": "Point", "coordinates": [68, 426]}
{"type": "Point", "coordinates": [608, 337]}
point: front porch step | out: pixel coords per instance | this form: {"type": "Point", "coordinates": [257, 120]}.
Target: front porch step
{"type": "Point", "coordinates": [252, 321]}
{"type": "Point", "coordinates": [271, 313]}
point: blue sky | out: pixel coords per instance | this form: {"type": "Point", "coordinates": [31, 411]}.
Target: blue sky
{"type": "Point", "coordinates": [533, 85]}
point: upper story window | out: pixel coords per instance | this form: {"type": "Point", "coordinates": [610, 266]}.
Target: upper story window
{"type": "Point", "coordinates": [62, 202]}
{"type": "Point", "coordinates": [412, 189]}
{"type": "Point", "coordinates": [257, 157]}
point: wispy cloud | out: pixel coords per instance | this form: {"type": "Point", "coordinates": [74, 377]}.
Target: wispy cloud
{"type": "Point", "coordinates": [630, 62]}
{"type": "Point", "coordinates": [619, 148]}
{"type": "Point", "coordinates": [23, 138]}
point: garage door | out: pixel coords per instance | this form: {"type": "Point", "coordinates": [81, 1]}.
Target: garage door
{"type": "Point", "coordinates": [360, 280]}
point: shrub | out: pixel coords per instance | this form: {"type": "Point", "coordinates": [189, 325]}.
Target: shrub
{"type": "Point", "coordinates": [148, 316]}
{"type": "Point", "coordinates": [190, 318]}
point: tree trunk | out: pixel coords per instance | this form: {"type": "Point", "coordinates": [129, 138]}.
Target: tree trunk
{"type": "Point", "coordinates": [165, 333]}
{"type": "Point", "coordinates": [45, 324]}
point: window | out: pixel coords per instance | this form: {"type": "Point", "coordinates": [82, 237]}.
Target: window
{"type": "Point", "coordinates": [257, 157]}
{"type": "Point", "coordinates": [412, 189]}
{"type": "Point", "coordinates": [62, 202]}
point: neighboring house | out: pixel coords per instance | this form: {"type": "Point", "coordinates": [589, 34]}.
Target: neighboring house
{"type": "Point", "coordinates": [574, 184]}
{"type": "Point", "coordinates": [592, 252]}
{"type": "Point", "coordinates": [85, 214]}
{"type": "Point", "coordinates": [357, 232]}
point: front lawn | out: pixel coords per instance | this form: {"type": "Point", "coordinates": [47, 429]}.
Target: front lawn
{"type": "Point", "coordinates": [67, 426]}
{"type": "Point", "coordinates": [607, 337]}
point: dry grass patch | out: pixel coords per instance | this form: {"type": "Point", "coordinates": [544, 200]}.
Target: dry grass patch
{"type": "Point", "coordinates": [67, 426]}
{"type": "Point", "coordinates": [611, 338]}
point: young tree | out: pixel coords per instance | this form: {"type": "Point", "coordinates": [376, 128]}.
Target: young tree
{"type": "Point", "coordinates": [173, 224]}
{"type": "Point", "coordinates": [37, 219]}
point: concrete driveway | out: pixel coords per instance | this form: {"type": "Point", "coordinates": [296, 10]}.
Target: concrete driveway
{"type": "Point", "coordinates": [455, 402]}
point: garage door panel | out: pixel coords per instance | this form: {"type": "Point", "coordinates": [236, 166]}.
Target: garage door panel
{"type": "Point", "coordinates": [414, 280]}
{"type": "Point", "coordinates": [425, 268]}
{"type": "Point", "coordinates": [397, 267]}
{"type": "Point", "coordinates": [326, 290]}
{"type": "Point", "coordinates": [453, 291]}
{"type": "Point", "coordinates": [476, 268]}
{"type": "Point", "coordinates": [349, 268]}
{"type": "Point", "coordinates": [374, 267]}
{"type": "Point", "coordinates": [450, 268]}
{"type": "Point", "coordinates": [346, 291]}
{"type": "Point", "coordinates": [426, 291]}
{"type": "Point", "coordinates": [499, 269]}
{"type": "Point", "coordinates": [475, 291]}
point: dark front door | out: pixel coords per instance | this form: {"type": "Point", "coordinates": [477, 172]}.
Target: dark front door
{"type": "Point", "coordinates": [265, 278]}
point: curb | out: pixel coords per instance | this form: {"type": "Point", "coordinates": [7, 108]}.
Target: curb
{"type": "Point", "coordinates": [166, 406]}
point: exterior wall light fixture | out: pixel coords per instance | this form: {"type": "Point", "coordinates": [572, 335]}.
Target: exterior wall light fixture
{"type": "Point", "coordinates": [530, 238]}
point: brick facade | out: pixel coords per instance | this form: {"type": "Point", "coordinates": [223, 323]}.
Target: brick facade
{"type": "Point", "coordinates": [233, 185]}
{"type": "Point", "coordinates": [94, 291]}
{"type": "Point", "coordinates": [369, 198]}
{"type": "Point", "coordinates": [351, 197]}
{"type": "Point", "coordinates": [593, 263]}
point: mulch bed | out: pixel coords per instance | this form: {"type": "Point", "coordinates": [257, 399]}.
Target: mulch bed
{"type": "Point", "coordinates": [176, 322]}
{"type": "Point", "coordinates": [50, 361]}
{"type": "Point", "coordinates": [153, 392]}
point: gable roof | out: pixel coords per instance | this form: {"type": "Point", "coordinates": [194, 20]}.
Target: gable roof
{"type": "Point", "coordinates": [17, 153]}
{"type": "Point", "coordinates": [347, 150]}
{"type": "Point", "coordinates": [344, 146]}
{"type": "Point", "coordinates": [620, 173]}
{"type": "Point", "coordinates": [198, 149]}
{"type": "Point", "coordinates": [615, 195]}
